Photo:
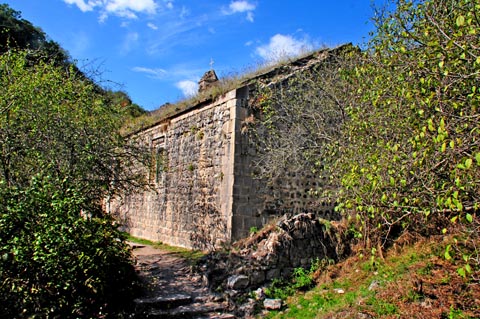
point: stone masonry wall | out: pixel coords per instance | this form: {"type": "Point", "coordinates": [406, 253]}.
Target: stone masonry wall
{"type": "Point", "coordinates": [258, 201]}
{"type": "Point", "coordinates": [203, 189]}
{"type": "Point", "coordinates": [190, 198]}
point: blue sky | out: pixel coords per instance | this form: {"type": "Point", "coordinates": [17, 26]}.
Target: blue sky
{"type": "Point", "coordinates": [157, 50]}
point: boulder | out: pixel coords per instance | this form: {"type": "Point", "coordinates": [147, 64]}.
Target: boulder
{"type": "Point", "coordinates": [272, 304]}
{"type": "Point", "coordinates": [236, 282]}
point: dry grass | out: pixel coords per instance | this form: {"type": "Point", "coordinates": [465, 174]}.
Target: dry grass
{"type": "Point", "coordinates": [413, 281]}
{"type": "Point", "coordinates": [224, 85]}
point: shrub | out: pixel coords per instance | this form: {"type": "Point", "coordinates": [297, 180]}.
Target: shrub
{"type": "Point", "coordinates": [412, 161]}
{"type": "Point", "coordinates": [59, 255]}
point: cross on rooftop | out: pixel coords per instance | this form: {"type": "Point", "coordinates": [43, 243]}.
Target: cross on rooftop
{"type": "Point", "coordinates": [211, 63]}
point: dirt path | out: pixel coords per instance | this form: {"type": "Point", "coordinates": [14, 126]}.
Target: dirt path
{"type": "Point", "coordinates": [167, 274]}
{"type": "Point", "coordinates": [173, 289]}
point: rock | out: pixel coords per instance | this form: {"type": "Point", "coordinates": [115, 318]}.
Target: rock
{"type": "Point", "coordinates": [237, 282]}
{"type": "Point", "coordinates": [258, 277]}
{"type": "Point", "coordinates": [374, 285]}
{"type": "Point", "coordinates": [164, 302]}
{"type": "Point", "coordinates": [248, 309]}
{"type": "Point", "coordinates": [272, 304]}
{"type": "Point", "coordinates": [273, 273]}
{"type": "Point", "coordinates": [259, 294]}
{"type": "Point", "coordinates": [339, 290]}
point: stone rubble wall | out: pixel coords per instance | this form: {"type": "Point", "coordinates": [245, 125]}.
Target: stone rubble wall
{"type": "Point", "coordinates": [275, 252]}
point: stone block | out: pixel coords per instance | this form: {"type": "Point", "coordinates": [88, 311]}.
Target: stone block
{"type": "Point", "coordinates": [257, 277]}
{"type": "Point", "coordinates": [237, 282]}
{"type": "Point", "coordinates": [273, 273]}
{"type": "Point", "coordinates": [272, 304]}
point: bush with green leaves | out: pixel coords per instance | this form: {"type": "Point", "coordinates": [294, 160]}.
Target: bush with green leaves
{"type": "Point", "coordinates": [405, 153]}
{"type": "Point", "coordinates": [55, 120]}
{"type": "Point", "coordinates": [411, 161]}
{"type": "Point", "coordinates": [59, 258]}
{"type": "Point", "coordinates": [61, 155]}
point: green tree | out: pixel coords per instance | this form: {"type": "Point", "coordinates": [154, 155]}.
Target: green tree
{"type": "Point", "coordinates": [412, 161]}
{"type": "Point", "coordinates": [58, 259]}
{"type": "Point", "coordinates": [61, 155]}
{"type": "Point", "coordinates": [53, 120]}
{"type": "Point", "coordinates": [19, 33]}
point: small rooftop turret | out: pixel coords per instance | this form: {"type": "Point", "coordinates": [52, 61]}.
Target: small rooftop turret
{"type": "Point", "coordinates": [207, 80]}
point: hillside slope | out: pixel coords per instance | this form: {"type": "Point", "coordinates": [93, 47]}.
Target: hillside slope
{"type": "Point", "coordinates": [414, 281]}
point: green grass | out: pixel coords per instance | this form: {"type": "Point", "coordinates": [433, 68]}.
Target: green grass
{"type": "Point", "coordinates": [191, 255]}
{"type": "Point", "coordinates": [357, 296]}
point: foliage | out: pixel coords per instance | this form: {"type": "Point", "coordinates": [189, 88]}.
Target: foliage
{"type": "Point", "coordinates": [121, 99]}
{"type": "Point", "coordinates": [397, 288]}
{"type": "Point", "coordinates": [19, 33]}
{"type": "Point", "coordinates": [299, 117]}
{"type": "Point", "coordinates": [412, 161]}
{"type": "Point", "coordinates": [57, 259]}
{"type": "Point", "coordinates": [60, 156]}
{"type": "Point", "coordinates": [52, 121]}
{"type": "Point", "coordinates": [301, 279]}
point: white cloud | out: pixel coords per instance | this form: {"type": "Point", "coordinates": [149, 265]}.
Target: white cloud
{"type": "Point", "coordinates": [169, 4]}
{"type": "Point", "coordinates": [131, 39]}
{"type": "Point", "coordinates": [122, 8]}
{"type": "Point", "coordinates": [184, 13]}
{"type": "Point", "coordinates": [128, 8]}
{"type": "Point", "coordinates": [82, 5]}
{"type": "Point", "coordinates": [152, 73]}
{"type": "Point", "coordinates": [184, 76]}
{"type": "Point", "coordinates": [283, 46]}
{"type": "Point", "coordinates": [250, 16]}
{"type": "Point", "coordinates": [152, 26]}
{"type": "Point", "coordinates": [188, 88]}
{"type": "Point", "coordinates": [240, 7]}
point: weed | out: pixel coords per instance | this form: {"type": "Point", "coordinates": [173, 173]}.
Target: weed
{"type": "Point", "coordinates": [302, 279]}
{"type": "Point", "coordinates": [279, 289]}
{"type": "Point", "coordinates": [413, 296]}
{"type": "Point", "coordinates": [445, 280]}
{"type": "Point", "coordinates": [455, 313]}
{"type": "Point", "coordinates": [253, 230]}
{"type": "Point", "coordinates": [381, 307]}
{"type": "Point", "coordinates": [194, 129]}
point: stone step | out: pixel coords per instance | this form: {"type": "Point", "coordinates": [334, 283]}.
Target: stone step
{"type": "Point", "coordinates": [217, 316]}
{"type": "Point", "coordinates": [210, 310]}
{"type": "Point", "coordinates": [163, 302]}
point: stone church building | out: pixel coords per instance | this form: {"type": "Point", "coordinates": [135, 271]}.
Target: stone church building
{"type": "Point", "coordinates": [202, 189]}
